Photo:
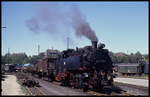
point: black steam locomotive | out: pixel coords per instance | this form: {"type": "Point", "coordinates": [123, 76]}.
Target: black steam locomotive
{"type": "Point", "coordinates": [88, 67]}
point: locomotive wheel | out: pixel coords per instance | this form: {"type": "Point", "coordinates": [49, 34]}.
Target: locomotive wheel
{"type": "Point", "coordinates": [85, 88]}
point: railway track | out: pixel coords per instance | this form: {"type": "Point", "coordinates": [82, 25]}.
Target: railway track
{"type": "Point", "coordinates": [134, 89]}
{"type": "Point", "coordinates": [95, 93]}
{"type": "Point", "coordinates": [115, 92]}
{"type": "Point", "coordinates": [35, 91]}
{"type": "Point", "coordinates": [54, 88]}
{"type": "Point", "coordinates": [134, 86]}
{"type": "Point", "coordinates": [111, 94]}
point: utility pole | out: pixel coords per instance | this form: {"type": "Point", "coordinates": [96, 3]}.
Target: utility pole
{"type": "Point", "coordinates": [67, 42]}
{"type": "Point", "coordinates": [38, 49]}
{"type": "Point", "coordinates": [8, 55]}
{"type": "Point", "coordinates": [8, 50]}
{"type": "Point", "coordinates": [127, 51]}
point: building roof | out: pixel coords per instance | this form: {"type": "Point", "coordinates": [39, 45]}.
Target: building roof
{"type": "Point", "coordinates": [120, 54]}
{"type": "Point", "coordinates": [52, 51]}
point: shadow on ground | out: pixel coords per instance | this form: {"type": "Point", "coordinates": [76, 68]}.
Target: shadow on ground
{"type": "Point", "coordinates": [3, 77]}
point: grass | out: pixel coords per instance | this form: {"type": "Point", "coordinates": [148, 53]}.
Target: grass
{"type": "Point", "coordinates": [23, 88]}
{"type": "Point", "coordinates": [25, 91]}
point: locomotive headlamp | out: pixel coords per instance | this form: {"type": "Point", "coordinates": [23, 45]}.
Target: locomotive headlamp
{"type": "Point", "coordinates": [64, 63]}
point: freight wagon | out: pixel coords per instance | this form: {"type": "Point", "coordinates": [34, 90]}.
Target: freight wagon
{"type": "Point", "coordinates": [46, 66]}
{"type": "Point", "coordinates": [9, 67]}
{"type": "Point", "coordinates": [132, 69]}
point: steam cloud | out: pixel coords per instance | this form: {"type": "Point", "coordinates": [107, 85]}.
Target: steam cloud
{"type": "Point", "coordinates": [53, 17]}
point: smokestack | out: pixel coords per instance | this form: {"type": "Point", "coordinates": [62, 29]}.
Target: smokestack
{"type": "Point", "coordinates": [94, 44]}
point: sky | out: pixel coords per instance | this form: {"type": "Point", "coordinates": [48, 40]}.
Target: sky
{"type": "Point", "coordinates": [121, 26]}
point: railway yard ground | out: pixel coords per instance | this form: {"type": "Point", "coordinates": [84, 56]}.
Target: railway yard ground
{"type": "Point", "coordinates": [133, 86]}
{"type": "Point", "coordinates": [144, 76]}
{"type": "Point", "coordinates": [10, 86]}
{"type": "Point", "coordinates": [132, 81]}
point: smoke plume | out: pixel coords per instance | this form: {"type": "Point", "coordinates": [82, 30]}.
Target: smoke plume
{"type": "Point", "coordinates": [56, 18]}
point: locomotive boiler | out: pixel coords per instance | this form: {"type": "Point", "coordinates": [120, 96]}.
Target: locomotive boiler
{"type": "Point", "coordinates": [90, 66]}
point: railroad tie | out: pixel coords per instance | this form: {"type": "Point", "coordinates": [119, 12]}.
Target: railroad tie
{"type": "Point", "coordinates": [29, 91]}
{"type": "Point", "coordinates": [127, 94]}
{"type": "Point", "coordinates": [40, 91]}
{"type": "Point", "coordinates": [96, 94]}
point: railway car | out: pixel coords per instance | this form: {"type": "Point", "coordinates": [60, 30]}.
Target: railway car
{"type": "Point", "coordinates": [146, 69]}
{"type": "Point", "coordinates": [46, 66]}
{"type": "Point", "coordinates": [3, 68]}
{"type": "Point", "coordinates": [132, 69]}
{"type": "Point", "coordinates": [9, 67]}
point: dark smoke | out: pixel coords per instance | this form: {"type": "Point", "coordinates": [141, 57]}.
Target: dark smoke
{"type": "Point", "coordinates": [57, 18]}
{"type": "Point", "coordinates": [81, 26]}
{"type": "Point", "coordinates": [33, 25]}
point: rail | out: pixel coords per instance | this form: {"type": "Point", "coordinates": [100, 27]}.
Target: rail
{"type": "Point", "coordinates": [37, 91]}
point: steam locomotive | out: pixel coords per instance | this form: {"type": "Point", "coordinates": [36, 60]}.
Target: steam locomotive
{"type": "Point", "coordinates": [88, 68]}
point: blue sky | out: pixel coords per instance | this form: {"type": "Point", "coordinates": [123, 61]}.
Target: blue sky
{"type": "Point", "coordinates": [121, 26]}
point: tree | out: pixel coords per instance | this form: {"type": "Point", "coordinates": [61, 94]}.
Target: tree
{"type": "Point", "coordinates": [132, 58]}
{"type": "Point", "coordinates": [138, 56]}
{"type": "Point", "coordinates": [17, 58]}
{"type": "Point", "coordinates": [34, 59]}
{"type": "Point", "coordinates": [3, 60]}
{"type": "Point", "coordinates": [146, 58]}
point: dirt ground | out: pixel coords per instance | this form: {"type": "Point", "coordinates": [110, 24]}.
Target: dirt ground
{"type": "Point", "coordinates": [139, 82]}
{"type": "Point", "coordinates": [10, 86]}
